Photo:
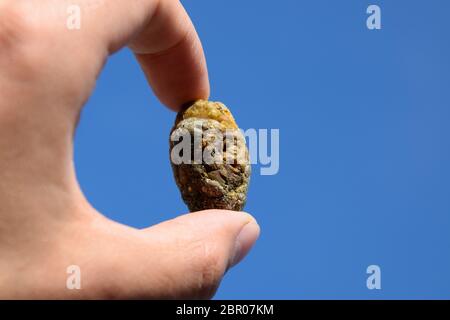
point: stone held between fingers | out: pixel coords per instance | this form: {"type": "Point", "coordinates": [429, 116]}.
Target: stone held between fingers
{"type": "Point", "coordinates": [221, 180]}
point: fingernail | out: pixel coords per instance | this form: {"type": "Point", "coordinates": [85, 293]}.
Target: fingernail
{"type": "Point", "coordinates": [244, 242]}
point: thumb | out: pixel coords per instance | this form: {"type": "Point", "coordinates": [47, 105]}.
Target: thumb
{"type": "Point", "coordinates": [193, 251]}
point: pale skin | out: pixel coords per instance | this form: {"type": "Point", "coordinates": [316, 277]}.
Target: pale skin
{"type": "Point", "coordinates": [47, 72]}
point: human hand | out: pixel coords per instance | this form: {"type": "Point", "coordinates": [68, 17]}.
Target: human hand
{"type": "Point", "coordinates": [47, 73]}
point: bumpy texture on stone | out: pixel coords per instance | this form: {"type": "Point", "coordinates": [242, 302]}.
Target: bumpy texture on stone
{"type": "Point", "coordinates": [221, 184]}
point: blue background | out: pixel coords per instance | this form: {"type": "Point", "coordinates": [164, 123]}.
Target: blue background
{"type": "Point", "coordinates": [364, 153]}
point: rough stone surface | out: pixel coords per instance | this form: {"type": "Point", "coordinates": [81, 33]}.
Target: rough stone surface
{"type": "Point", "coordinates": [219, 184]}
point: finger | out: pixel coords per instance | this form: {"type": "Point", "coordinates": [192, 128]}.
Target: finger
{"type": "Point", "coordinates": [165, 43]}
{"type": "Point", "coordinates": [171, 56]}
{"type": "Point", "coordinates": [195, 250]}
{"type": "Point", "coordinates": [177, 75]}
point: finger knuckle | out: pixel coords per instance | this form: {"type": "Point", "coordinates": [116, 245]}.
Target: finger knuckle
{"type": "Point", "coordinates": [209, 269]}
{"type": "Point", "coordinates": [19, 40]}
{"type": "Point", "coordinates": [16, 23]}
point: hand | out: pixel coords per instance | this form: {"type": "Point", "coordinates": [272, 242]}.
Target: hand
{"type": "Point", "coordinates": [47, 72]}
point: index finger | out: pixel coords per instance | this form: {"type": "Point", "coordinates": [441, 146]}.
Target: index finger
{"type": "Point", "coordinates": [165, 43]}
{"type": "Point", "coordinates": [171, 56]}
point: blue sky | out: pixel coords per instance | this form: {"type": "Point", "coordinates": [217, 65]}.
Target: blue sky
{"type": "Point", "coordinates": [364, 143]}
